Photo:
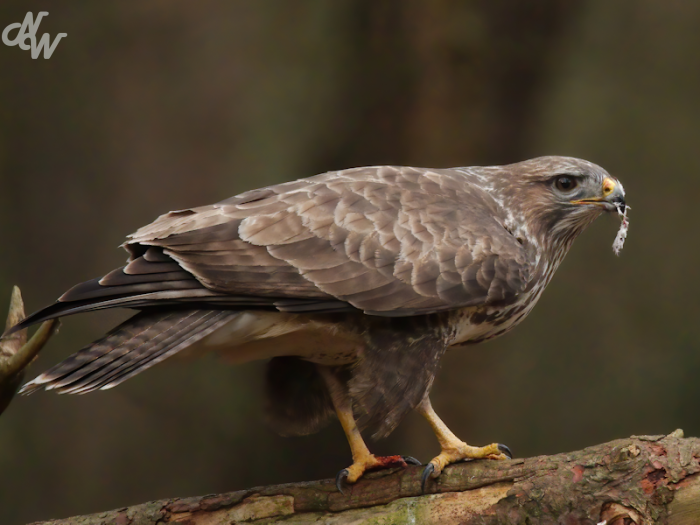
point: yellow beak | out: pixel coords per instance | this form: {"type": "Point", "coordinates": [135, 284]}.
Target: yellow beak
{"type": "Point", "coordinates": [613, 194]}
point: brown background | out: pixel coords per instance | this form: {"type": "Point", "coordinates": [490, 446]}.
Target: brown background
{"type": "Point", "coordinates": [149, 106]}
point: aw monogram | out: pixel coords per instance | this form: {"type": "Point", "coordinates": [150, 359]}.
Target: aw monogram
{"type": "Point", "coordinates": [27, 30]}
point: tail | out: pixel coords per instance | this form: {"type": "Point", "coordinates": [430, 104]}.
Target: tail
{"type": "Point", "coordinates": [142, 341]}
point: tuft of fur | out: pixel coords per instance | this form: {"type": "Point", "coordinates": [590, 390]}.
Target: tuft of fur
{"type": "Point", "coordinates": [624, 227]}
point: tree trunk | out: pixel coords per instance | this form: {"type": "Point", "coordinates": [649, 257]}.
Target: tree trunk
{"type": "Point", "coordinates": [640, 480]}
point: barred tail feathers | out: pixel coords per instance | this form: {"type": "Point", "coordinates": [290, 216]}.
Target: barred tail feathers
{"type": "Point", "coordinates": [140, 342]}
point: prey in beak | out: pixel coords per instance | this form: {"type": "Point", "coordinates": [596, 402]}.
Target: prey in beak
{"type": "Point", "coordinates": [612, 199]}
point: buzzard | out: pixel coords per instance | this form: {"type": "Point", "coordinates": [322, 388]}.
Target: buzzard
{"type": "Point", "coordinates": [352, 283]}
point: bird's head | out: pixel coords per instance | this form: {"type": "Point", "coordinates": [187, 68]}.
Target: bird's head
{"type": "Point", "coordinates": [560, 196]}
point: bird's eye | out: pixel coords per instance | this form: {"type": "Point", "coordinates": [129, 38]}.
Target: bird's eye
{"type": "Point", "coordinates": [565, 183]}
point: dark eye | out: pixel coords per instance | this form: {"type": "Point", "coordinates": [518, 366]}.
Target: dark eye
{"type": "Point", "coordinates": [565, 183]}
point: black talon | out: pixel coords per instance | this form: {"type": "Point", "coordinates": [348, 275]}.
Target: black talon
{"type": "Point", "coordinates": [340, 478]}
{"type": "Point", "coordinates": [505, 450]}
{"type": "Point", "coordinates": [410, 460]}
{"type": "Point", "coordinates": [427, 472]}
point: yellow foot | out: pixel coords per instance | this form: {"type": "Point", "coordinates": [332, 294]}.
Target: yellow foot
{"type": "Point", "coordinates": [458, 451]}
{"type": "Point", "coordinates": [371, 462]}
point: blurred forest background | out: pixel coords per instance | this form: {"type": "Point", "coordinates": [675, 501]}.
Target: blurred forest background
{"type": "Point", "coordinates": [149, 106]}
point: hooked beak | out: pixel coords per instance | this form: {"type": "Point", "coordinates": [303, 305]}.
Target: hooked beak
{"type": "Point", "coordinates": [613, 198]}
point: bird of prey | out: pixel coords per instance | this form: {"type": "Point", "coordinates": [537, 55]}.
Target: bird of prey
{"type": "Point", "coordinates": [352, 283]}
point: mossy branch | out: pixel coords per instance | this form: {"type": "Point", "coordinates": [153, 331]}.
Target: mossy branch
{"type": "Point", "coordinates": [639, 480]}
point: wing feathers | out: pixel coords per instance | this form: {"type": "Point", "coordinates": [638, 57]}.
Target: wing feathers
{"type": "Point", "coordinates": [140, 266]}
{"type": "Point", "coordinates": [155, 255]}
{"type": "Point", "coordinates": [119, 278]}
{"type": "Point", "coordinates": [390, 241]}
{"type": "Point", "coordinates": [343, 235]}
{"type": "Point", "coordinates": [93, 289]}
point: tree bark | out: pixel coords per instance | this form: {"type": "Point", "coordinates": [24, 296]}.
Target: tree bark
{"type": "Point", "coordinates": [640, 480]}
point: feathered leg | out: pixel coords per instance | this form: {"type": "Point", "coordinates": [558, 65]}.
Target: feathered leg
{"type": "Point", "coordinates": [362, 458]}
{"type": "Point", "coordinates": [452, 448]}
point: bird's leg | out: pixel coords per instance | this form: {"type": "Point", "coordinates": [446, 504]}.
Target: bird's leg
{"type": "Point", "coordinates": [362, 458]}
{"type": "Point", "coordinates": [452, 448]}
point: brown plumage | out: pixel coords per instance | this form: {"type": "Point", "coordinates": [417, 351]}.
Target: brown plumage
{"type": "Point", "coordinates": [370, 272]}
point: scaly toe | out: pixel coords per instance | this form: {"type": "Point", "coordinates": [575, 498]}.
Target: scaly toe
{"type": "Point", "coordinates": [460, 451]}
{"type": "Point", "coordinates": [356, 470]}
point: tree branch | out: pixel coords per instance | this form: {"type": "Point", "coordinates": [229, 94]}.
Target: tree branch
{"type": "Point", "coordinates": [15, 352]}
{"type": "Point", "coordinates": [639, 480]}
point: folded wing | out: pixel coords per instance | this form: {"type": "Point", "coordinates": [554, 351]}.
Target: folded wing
{"type": "Point", "coordinates": [390, 241]}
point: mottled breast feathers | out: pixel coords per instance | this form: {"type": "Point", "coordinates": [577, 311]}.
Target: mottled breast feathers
{"type": "Point", "coordinates": [388, 240]}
